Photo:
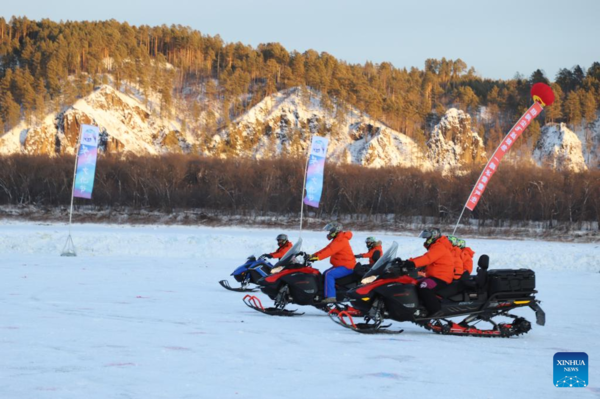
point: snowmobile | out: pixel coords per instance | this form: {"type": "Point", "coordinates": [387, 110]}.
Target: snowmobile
{"type": "Point", "coordinates": [249, 273]}
{"type": "Point", "coordinates": [296, 281]}
{"type": "Point", "coordinates": [384, 294]}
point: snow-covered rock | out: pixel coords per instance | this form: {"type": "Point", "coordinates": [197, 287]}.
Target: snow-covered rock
{"type": "Point", "coordinates": [282, 124]}
{"type": "Point", "coordinates": [589, 135]}
{"type": "Point", "coordinates": [453, 143]}
{"type": "Point", "coordinates": [125, 123]}
{"type": "Point", "coordinates": [559, 148]}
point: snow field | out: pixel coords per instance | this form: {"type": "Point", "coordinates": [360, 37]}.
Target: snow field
{"type": "Point", "coordinates": [139, 314]}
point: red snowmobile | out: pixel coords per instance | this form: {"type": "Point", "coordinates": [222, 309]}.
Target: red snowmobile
{"type": "Point", "coordinates": [295, 281]}
{"type": "Point", "coordinates": [386, 293]}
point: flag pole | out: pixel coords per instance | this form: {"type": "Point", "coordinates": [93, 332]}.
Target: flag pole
{"type": "Point", "coordinates": [74, 174]}
{"type": "Point", "coordinates": [69, 249]}
{"type": "Point", "coordinates": [303, 190]}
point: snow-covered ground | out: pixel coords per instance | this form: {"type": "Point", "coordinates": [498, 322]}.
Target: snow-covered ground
{"type": "Point", "coordinates": [139, 314]}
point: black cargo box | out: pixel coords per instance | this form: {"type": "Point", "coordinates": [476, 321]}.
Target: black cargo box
{"type": "Point", "coordinates": [510, 280]}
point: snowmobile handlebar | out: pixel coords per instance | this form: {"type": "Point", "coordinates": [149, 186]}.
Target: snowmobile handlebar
{"type": "Point", "coordinates": [398, 267]}
{"type": "Point", "coordinates": [306, 257]}
{"type": "Point", "coordinates": [401, 267]}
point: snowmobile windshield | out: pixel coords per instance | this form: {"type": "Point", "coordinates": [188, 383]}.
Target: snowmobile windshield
{"type": "Point", "coordinates": [291, 254]}
{"type": "Point", "coordinates": [382, 262]}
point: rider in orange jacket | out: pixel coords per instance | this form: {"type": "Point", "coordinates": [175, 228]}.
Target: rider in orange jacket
{"type": "Point", "coordinates": [375, 251]}
{"type": "Point", "coordinates": [283, 245]}
{"type": "Point", "coordinates": [342, 258]}
{"type": "Point", "coordinates": [439, 268]}
{"type": "Point", "coordinates": [457, 253]}
{"type": "Point", "coordinates": [467, 255]}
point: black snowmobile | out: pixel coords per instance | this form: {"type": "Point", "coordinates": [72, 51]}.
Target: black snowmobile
{"type": "Point", "coordinates": [296, 281]}
{"type": "Point", "coordinates": [483, 297]}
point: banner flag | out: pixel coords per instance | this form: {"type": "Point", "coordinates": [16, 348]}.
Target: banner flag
{"type": "Point", "coordinates": [315, 171]}
{"type": "Point", "coordinates": [542, 96]}
{"type": "Point", "coordinates": [86, 162]}
{"type": "Point", "coordinates": [502, 149]}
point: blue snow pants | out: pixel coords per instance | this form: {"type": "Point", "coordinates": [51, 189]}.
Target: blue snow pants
{"type": "Point", "coordinates": [331, 275]}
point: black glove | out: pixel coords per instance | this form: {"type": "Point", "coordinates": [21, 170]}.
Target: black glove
{"type": "Point", "coordinates": [409, 264]}
{"type": "Point", "coordinates": [357, 256]}
{"type": "Point", "coordinates": [397, 262]}
{"type": "Point", "coordinates": [391, 272]}
{"type": "Point", "coordinates": [267, 256]}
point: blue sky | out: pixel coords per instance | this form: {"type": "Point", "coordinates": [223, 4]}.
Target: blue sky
{"type": "Point", "coordinates": [498, 38]}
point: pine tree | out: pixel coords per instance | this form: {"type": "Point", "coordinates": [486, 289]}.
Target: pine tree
{"type": "Point", "coordinates": [10, 112]}
{"type": "Point", "coordinates": [554, 111]}
{"type": "Point", "coordinates": [534, 132]}
{"type": "Point", "coordinates": [538, 76]}
{"type": "Point", "coordinates": [588, 107]}
{"type": "Point", "coordinates": [573, 108]}
{"type": "Point", "coordinates": [40, 98]}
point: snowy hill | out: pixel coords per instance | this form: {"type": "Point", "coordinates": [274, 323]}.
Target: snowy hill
{"type": "Point", "coordinates": [559, 148]}
{"type": "Point", "coordinates": [126, 124]}
{"type": "Point", "coordinates": [282, 124]}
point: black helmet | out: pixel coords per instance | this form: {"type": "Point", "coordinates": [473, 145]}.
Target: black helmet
{"type": "Point", "coordinates": [430, 235]}
{"type": "Point", "coordinates": [370, 241]}
{"type": "Point", "coordinates": [282, 239]}
{"type": "Point", "coordinates": [333, 228]}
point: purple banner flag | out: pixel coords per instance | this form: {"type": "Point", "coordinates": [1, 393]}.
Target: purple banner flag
{"type": "Point", "coordinates": [315, 171]}
{"type": "Point", "coordinates": [86, 162]}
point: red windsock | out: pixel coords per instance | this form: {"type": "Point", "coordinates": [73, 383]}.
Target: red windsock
{"type": "Point", "coordinates": [543, 94]}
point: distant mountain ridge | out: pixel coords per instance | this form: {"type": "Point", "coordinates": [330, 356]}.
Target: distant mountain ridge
{"type": "Point", "coordinates": [281, 125]}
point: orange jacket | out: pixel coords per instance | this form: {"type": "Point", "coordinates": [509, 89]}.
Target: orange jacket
{"type": "Point", "coordinates": [371, 253]}
{"type": "Point", "coordinates": [458, 262]}
{"type": "Point", "coordinates": [340, 251]}
{"type": "Point", "coordinates": [467, 259]}
{"type": "Point", "coordinates": [438, 260]}
{"type": "Point", "coordinates": [281, 250]}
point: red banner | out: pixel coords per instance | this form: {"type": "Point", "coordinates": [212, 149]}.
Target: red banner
{"type": "Point", "coordinates": [502, 149]}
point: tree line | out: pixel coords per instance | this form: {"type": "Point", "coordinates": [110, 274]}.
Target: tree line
{"type": "Point", "coordinates": [45, 65]}
{"type": "Point", "coordinates": [518, 193]}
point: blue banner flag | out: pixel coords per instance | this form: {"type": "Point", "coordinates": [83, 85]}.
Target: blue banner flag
{"type": "Point", "coordinates": [86, 162]}
{"type": "Point", "coordinates": [315, 171]}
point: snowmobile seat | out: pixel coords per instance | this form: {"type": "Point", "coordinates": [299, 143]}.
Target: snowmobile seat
{"type": "Point", "coordinates": [452, 290]}
{"type": "Point", "coordinates": [349, 279]}
{"type": "Point", "coordinates": [468, 288]}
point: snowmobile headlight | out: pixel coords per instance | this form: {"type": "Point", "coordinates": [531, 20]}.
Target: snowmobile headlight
{"type": "Point", "coordinates": [276, 269]}
{"type": "Point", "coordinates": [368, 280]}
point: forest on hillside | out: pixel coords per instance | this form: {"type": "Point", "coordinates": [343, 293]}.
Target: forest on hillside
{"type": "Point", "coordinates": [46, 65]}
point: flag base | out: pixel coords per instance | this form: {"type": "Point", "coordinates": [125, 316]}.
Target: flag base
{"type": "Point", "coordinates": [69, 248]}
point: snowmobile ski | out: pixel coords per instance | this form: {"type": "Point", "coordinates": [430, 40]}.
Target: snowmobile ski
{"type": "Point", "coordinates": [363, 328]}
{"type": "Point", "coordinates": [225, 284]}
{"type": "Point", "coordinates": [254, 302]}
